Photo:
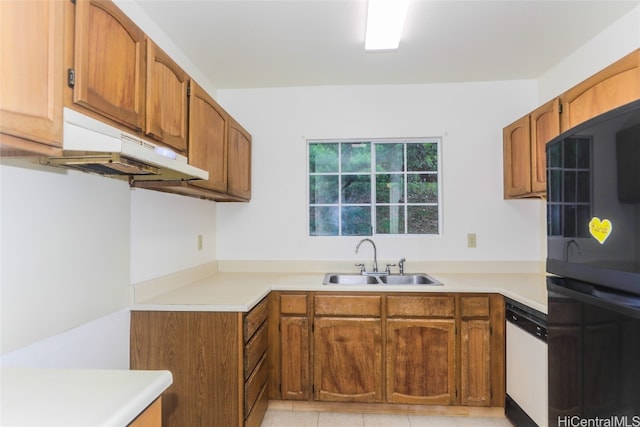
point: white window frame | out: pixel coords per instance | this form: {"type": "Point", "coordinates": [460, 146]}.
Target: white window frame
{"type": "Point", "coordinates": [373, 174]}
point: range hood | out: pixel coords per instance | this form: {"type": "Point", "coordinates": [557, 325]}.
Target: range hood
{"type": "Point", "coordinates": [92, 146]}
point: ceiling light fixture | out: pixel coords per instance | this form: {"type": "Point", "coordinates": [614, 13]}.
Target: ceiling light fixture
{"type": "Point", "coordinates": [385, 19]}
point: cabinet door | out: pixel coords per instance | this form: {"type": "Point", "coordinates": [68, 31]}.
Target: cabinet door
{"type": "Point", "coordinates": [31, 66]}
{"type": "Point", "coordinates": [166, 93]}
{"type": "Point", "coordinates": [109, 63]}
{"type": "Point", "coordinates": [239, 161]}
{"type": "Point", "coordinates": [545, 125]}
{"type": "Point", "coordinates": [421, 361]}
{"type": "Point", "coordinates": [348, 359]}
{"type": "Point", "coordinates": [294, 358]}
{"type": "Point", "coordinates": [616, 85]}
{"type": "Point", "coordinates": [475, 357]}
{"type": "Point", "coordinates": [208, 138]}
{"type": "Point", "coordinates": [517, 158]}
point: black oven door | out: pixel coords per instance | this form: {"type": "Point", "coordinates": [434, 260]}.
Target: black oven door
{"type": "Point", "coordinates": [594, 355]}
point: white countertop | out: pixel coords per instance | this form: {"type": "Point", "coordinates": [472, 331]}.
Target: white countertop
{"type": "Point", "coordinates": [229, 291]}
{"type": "Point", "coordinates": [77, 397]}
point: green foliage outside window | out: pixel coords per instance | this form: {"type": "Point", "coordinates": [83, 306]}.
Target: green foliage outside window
{"type": "Point", "coordinates": [360, 188]}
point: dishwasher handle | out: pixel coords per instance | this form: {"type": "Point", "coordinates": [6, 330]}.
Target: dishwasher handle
{"type": "Point", "coordinates": [526, 322]}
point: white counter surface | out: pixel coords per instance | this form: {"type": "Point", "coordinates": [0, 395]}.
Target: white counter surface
{"type": "Point", "coordinates": [241, 291]}
{"type": "Point", "coordinates": [77, 397]}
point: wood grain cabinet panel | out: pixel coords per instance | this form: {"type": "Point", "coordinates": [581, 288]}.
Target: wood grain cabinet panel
{"type": "Point", "coordinates": [166, 96]}
{"type": "Point", "coordinates": [524, 142]}
{"type": "Point", "coordinates": [110, 63]}
{"type": "Point", "coordinates": [421, 366]}
{"type": "Point", "coordinates": [516, 154]}
{"type": "Point", "coordinates": [475, 352]}
{"type": "Point", "coordinates": [347, 359]}
{"type": "Point", "coordinates": [206, 353]}
{"type": "Point", "coordinates": [239, 161]}
{"type": "Point", "coordinates": [614, 86]}
{"type": "Point", "coordinates": [31, 66]}
{"type": "Point", "coordinates": [208, 138]}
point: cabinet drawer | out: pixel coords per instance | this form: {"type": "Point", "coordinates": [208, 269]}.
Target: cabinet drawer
{"type": "Point", "coordinates": [293, 304]}
{"type": "Point", "coordinates": [256, 414]}
{"type": "Point", "coordinates": [421, 306]}
{"type": "Point", "coordinates": [346, 305]}
{"type": "Point", "coordinates": [475, 306]}
{"type": "Point", "coordinates": [254, 350]}
{"type": "Point", "coordinates": [254, 385]}
{"type": "Point", "coordinates": [255, 318]}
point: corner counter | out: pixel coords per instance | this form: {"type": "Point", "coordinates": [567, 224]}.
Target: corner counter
{"type": "Point", "coordinates": [77, 397]}
{"type": "Point", "coordinates": [241, 291]}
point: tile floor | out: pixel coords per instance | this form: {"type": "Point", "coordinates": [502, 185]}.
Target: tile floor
{"type": "Point", "coordinates": [285, 418]}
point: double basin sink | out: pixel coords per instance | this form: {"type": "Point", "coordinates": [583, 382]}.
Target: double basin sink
{"type": "Point", "coordinates": [375, 279]}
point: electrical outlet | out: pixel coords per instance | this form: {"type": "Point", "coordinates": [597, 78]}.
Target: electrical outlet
{"type": "Point", "coordinates": [199, 242]}
{"type": "Point", "coordinates": [471, 240]}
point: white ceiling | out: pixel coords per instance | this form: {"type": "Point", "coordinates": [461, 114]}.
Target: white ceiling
{"type": "Point", "coordinates": [266, 43]}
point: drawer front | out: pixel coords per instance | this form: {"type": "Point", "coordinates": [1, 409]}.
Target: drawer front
{"type": "Point", "coordinates": [255, 349]}
{"type": "Point", "coordinates": [255, 384]}
{"type": "Point", "coordinates": [347, 305]}
{"type": "Point", "coordinates": [293, 304]}
{"type": "Point", "coordinates": [255, 318]}
{"type": "Point", "coordinates": [421, 306]}
{"type": "Point", "coordinates": [475, 306]}
{"type": "Point", "coordinates": [256, 415]}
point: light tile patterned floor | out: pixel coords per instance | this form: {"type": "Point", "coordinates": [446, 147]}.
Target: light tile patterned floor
{"type": "Point", "coordinates": [284, 418]}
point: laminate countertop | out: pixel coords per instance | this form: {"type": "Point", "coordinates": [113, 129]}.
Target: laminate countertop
{"type": "Point", "coordinates": [77, 397]}
{"type": "Point", "coordinates": [240, 291]}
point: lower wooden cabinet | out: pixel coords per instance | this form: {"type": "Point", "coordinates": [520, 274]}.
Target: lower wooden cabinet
{"type": "Point", "coordinates": [347, 363]}
{"type": "Point", "coordinates": [436, 349]}
{"type": "Point", "coordinates": [218, 360]}
{"type": "Point", "coordinates": [421, 361]}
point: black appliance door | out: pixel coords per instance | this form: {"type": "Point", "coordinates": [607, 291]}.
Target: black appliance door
{"type": "Point", "coordinates": [594, 354]}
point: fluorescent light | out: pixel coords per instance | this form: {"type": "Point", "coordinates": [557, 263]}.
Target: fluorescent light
{"type": "Point", "coordinates": [385, 19]}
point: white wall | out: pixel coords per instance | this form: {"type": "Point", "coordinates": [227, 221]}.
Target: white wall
{"type": "Point", "coordinates": [70, 246]}
{"type": "Point", "coordinates": [621, 38]}
{"type": "Point", "coordinates": [469, 117]}
{"type": "Point", "coordinates": [164, 233]}
{"type": "Point", "coordinates": [65, 251]}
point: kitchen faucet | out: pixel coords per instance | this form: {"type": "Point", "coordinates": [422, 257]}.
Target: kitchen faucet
{"type": "Point", "coordinates": [375, 255]}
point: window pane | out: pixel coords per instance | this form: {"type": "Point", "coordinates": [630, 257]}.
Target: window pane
{"type": "Point", "coordinates": [323, 189]}
{"type": "Point", "coordinates": [422, 219]}
{"type": "Point", "coordinates": [390, 188]}
{"type": "Point", "coordinates": [356, 157]}
{"type": "Point", "coordinates": [323, 158]}
{"type": "Point", "coordinates": [323, 221]}
{"type": "Point", "coordinates": [422, 157]}
{"type": "Point", "coordinates": [390, 219]}
{"type": "Point", "coordinates": [389, 157]}
{"type": "Point", "coordinates": [356, 221]}
{"type": "Point", "coordinates": [356, 189]}
{"type": "Point", "coordinates": [422, 188]}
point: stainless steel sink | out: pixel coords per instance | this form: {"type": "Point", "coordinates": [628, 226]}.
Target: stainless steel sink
{"type": "Point", "coordinates": [387, 279]}
{"type": "Point", "coordinates": [409, 279]}
{"type": "Point", "coordinates": [349, 279]}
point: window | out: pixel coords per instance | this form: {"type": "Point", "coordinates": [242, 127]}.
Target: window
{"type": "Point", "coordinates": [362, 188]}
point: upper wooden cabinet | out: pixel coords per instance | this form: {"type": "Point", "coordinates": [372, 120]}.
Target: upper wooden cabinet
{"type": "Point", "coordinates": [616, 85]}
{"type": "Point", "coordinates": [208, 124]}
{"type": "Point", "coordinates": [166, 94]}
{"type": "Point", "coordinates": [31, 66]}
{"type": "Point", "coordinates": [524, 151]}
{"type": "Point", "coordinates": [109, 64]}
{"type": "Point", "coordinates": [239, 161]}
{"type": "Point", "coordinates": [525, 139]}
